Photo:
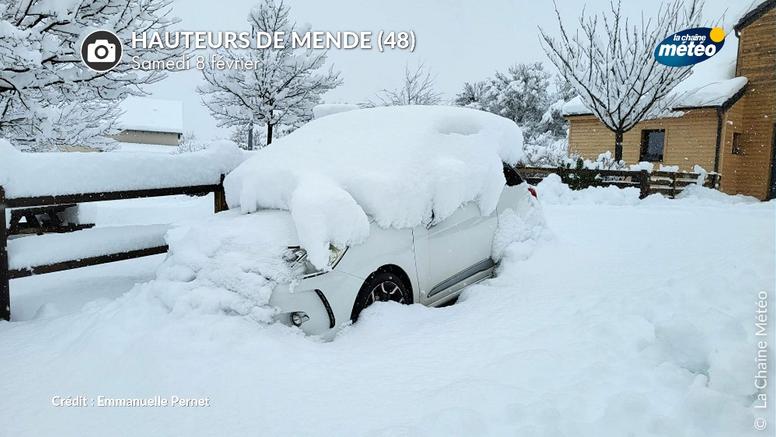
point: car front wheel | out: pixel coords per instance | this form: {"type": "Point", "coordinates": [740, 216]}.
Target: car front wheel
{"type": "Point", "coordinates": [380, 287]}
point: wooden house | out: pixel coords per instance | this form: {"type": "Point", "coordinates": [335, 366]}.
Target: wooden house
{"type": "Point", "coordinates": [725, 119]}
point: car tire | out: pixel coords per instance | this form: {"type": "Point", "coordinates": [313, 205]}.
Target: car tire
{"type": "Point", "coordinates": [381, 287]}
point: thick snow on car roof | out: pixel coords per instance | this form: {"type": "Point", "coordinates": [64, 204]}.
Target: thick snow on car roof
{"type": "Point", "coordinates": [400, 165]}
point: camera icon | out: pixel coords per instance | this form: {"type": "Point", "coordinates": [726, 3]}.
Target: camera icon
{"type": "Point", "coordinates": [101, 50]}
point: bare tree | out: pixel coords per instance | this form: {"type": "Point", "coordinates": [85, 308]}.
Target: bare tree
{"type": "Point", "coordinates": [610, 63]}
{"type": "Point", "coordinates": [417, 89]}
{"type": "Point", "coordinates": [280, 92]}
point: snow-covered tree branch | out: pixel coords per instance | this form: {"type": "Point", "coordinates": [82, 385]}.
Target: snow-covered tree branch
{"type": "Point", "coordinates": [283, 88]}
{"type": "Point", "coordinates": [609, 62]}
{"type": "Point", "coordinates": [47, 96]}
{"type": "Point", "coordinates": [525, 95]}
{"type": "Point", "coordinates": [520, 94]}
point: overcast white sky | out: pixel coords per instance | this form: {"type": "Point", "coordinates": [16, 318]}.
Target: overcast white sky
{"type": "Point", "coordinates": [458, 40]}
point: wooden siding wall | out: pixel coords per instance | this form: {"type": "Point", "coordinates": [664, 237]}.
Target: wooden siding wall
{"type": "Point", "coordinates": [689, 140]}
{"type": "Point", "coordinates": [757, 61]}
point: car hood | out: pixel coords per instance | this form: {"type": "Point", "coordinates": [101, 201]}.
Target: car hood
{"type": "Point", "coordinates": [253, 244]}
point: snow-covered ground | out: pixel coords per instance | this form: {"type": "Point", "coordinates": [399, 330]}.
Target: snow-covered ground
{"type": "Point", "coordinates": [634, 318]}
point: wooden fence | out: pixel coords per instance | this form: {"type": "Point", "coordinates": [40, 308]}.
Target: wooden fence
{"type": "Point", "coordinates": [663, 182]}
{"type": "Point", "coordinates": [42, 214]}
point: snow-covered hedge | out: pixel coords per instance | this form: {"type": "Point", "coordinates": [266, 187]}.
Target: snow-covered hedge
{"type": "Point", "coordinates": [400, 166]}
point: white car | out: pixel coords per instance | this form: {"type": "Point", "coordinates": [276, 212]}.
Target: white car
{"type": "Point", "coordinates": [427, 264]}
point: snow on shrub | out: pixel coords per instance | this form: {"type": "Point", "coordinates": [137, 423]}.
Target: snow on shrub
{"type": "Point", "coordinates": [519, 233]}
{"type": "Point", "coordinates": [56, 173]}
{"type": "Point", "coordinates": [545, 150]}
{"type": "Point", "coordinates": [400, 166]}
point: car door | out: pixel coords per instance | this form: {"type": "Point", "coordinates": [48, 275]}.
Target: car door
{"type": "Point", "coordinates": [452, 250]}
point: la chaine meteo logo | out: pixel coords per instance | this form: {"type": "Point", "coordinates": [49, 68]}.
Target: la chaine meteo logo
{"type": "Point", "coordinates": [690, 46]}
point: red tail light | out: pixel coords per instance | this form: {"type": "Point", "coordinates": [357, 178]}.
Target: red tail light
{"type": "Point", "coordinates": [532, 190]}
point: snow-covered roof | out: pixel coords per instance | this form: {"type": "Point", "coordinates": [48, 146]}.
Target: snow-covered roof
{"type": "Point", "coordinates": [575, 106]}
{"type": "Point", "coordinates": [751, 12]}
{"type": "Point", "coordinates": [711, 94]}
{"type": "Point", "coordinates": [155, 115]}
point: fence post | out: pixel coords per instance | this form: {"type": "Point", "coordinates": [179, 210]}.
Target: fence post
{"type": "Point", "coordinates": [714, 180]}
{"type": "Point", "coordinates": [5, 286]}
{"type": "Point", "coordinates": [673, 185]}
{"type": "Point", "coordinates": [219, 197]}
{"type": "Point", "coordinates": [643, 184]}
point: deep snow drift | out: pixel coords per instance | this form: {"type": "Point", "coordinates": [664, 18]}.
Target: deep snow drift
{"type": "Point", "coordinates": [635, 319]}
{"type": "Point", "coordinates": [400, 166]}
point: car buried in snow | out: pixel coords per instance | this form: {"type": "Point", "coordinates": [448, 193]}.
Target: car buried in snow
{"type": "Point", "coordinates": [406, 204]}
{"type": "Point", "coordinates": [429, 264]}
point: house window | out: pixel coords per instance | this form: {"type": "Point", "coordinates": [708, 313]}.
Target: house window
{"type": "Point", "coordinates": [652, 143]}
{"type": "Point", "coordinates": [737, 150]}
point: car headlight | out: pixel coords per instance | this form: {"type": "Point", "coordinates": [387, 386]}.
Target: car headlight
{"type": "Point", "coordinates": [296, 257]}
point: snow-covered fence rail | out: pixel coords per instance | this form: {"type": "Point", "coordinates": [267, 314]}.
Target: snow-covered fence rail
{"type": "Point", "coordinates": [671, 183]}
{"type": "Point", "coordinates": [664, 182]}
{"type": "Point", "coordinates": [50, 183]}
{"type": "Point", "coordinates": [55, 252]}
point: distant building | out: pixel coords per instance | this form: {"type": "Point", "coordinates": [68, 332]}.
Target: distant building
{"type": "Point", "coordinates": [727, 118]}
{"type": "Point", "coordinates": [150, 121]}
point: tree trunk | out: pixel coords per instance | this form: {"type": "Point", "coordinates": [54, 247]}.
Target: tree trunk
{"type": "Point", "coordinates": [250, 137]}
{"type": "Point", "coordinates": [618, 145]}
{"type": "Point", "coordinates": [269, 133]}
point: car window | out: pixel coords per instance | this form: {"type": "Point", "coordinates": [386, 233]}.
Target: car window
{"type": "Point", "coordinates": [512, 176]}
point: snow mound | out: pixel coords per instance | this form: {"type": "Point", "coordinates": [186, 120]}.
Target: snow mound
{"type": "Point", "coordinates": [552, 191]}
{"type": "Point", "coordinates": [324, 109]}
{"type": "Point", "coordinates": [401, 166]}
{"type": "Point", "coordinates": [519, 233]}
{"type": "Point", "coordinates": [58, 173]}
{"type": "Point", "coordinates": [701, 194]}
{"type": "Point", "coordinates": [228, 264]}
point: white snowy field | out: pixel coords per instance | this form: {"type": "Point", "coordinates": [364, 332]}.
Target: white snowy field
{"type": "Point", "coordinates": [633, 318]}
